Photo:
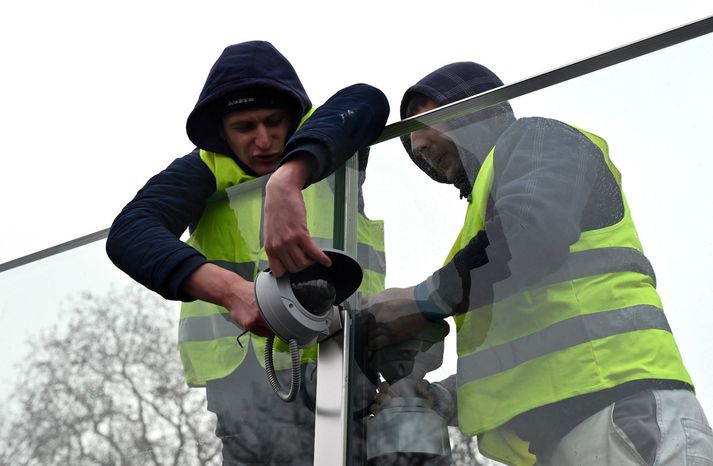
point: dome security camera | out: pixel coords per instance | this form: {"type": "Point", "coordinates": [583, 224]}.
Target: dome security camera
{"type": "Point", "coordinates": [303, 308]}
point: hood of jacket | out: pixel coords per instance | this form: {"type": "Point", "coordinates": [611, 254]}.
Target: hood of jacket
{"type": "Point", "coordinates": [242, 72]}
{"type": "Point", "coordinates": [475, 134]}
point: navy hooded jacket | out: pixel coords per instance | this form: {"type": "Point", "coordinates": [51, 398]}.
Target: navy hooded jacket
{"type": "Point", "coordinates": [144, 238]}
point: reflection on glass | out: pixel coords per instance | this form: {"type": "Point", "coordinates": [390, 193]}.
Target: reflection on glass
{"type": "Point", "coordinates": [90, 370]}
{"type": "Point", "coordinates": [405, 411]}
{"type": "Point", "coordinates": [252, 422]}
{"type": "Point", "coordinates": [100, 380]}
{"type": "Point", "coordinates": [555, 302]}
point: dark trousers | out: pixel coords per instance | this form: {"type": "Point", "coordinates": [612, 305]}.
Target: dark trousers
{"type": "Point", "coordinates": [255, 426]}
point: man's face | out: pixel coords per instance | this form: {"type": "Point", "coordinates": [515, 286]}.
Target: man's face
{"type": "Point", "coordinates": [257, 137]}
{"type": "Point", "coordinates": [436, 149]}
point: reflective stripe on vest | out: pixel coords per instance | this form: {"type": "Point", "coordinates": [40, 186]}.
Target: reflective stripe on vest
{"type": "Point", "coordinates": [559, 336]}
{"type": "Point", "coordinates": [212, 325]}
{"type": "Point", "coordinates": [229, 234]}
{"type": "Point", "coordinates": [593, 324]}
{"type": "Point", "coordinates": [204, 328]}
{"type": "Point", "coordinates": [587, 263]}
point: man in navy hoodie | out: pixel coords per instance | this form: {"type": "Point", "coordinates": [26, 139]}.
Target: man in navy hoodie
{"type": "Point", "coordinates": [244, 125]}
{"type": "Point", "coordinates": [565, 355]}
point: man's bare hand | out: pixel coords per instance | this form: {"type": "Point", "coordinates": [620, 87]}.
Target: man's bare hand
{"type": "Point", "coordinates": [225, 288]}
{"type": "Point", "coordinates": [392, 316]}
{"type": "Point", "coordinates": [288, 243]}
{"type": "Point", "coordinates": [244, 310]}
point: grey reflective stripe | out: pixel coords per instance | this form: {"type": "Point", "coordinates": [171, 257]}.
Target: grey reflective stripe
{"type": "Point", "coordinates": [323, 243]}
{"type": "Point", "coordinates": [262, 265]}
{"type": "Point", "coordinates": [244, 269]}
{"type": "Point", "coordinates": [367, 256]}
{"type": "Point", "coordinates": [370, 258]}
{"type": "Point", "coordinates": [599, 261]}
{"type": "Point", "coordinates": [581, 264]}
{"type": "Point", "coordinates": [559, 336]}
{"type": "Point", "coordinates": [205, 328]}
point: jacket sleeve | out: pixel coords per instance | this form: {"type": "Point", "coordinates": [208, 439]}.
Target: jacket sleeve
{"type": "Point", "coordinates": [544, 173]}
{"type": "Point", "coordinates": [352, 118]}
{"type": "Point", "coordinates": [144, 238]}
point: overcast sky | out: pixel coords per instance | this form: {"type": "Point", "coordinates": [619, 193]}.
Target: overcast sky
{"type": "Point", "coordinates": [94, 95]}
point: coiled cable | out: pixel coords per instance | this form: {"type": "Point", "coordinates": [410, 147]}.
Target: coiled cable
{"type": "Point", "coordinates": [296, 379]}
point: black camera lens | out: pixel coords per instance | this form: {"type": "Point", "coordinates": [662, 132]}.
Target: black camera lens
{"type": "Point", "coordinates": [315, 293]}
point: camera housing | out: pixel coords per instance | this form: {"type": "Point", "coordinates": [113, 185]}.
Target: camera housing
{"type": "Point", "coordinates": [304, 306]}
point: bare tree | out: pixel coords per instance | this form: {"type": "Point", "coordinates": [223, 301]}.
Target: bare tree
{"type": "Point", "coordinates": [105, 387]}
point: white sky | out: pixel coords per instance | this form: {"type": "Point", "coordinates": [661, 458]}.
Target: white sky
{"type": "Point", "coordinates": [94, 97]}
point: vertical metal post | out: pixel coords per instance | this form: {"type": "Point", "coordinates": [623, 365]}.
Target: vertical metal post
{"type": "Point", "coordinates": [330, 433]}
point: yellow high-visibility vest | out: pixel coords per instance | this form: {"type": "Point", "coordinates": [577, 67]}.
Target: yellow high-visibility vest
{"type": "Point", "coordinates": [229, 234]}
{"type": "Point", "coordinates": [593, 324]}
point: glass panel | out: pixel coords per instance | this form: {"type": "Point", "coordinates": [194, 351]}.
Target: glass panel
{"type": "Point", "coordinates": [90, 371]}
{"type": "Point", "coordinates": [90, 368]}
{"type": "Point", "coordinates": [561, 296]}
{"type": "Point", "coordinates": [253, 422]}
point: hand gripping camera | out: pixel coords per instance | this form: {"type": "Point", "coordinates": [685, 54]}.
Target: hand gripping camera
{"type": "Point", "coordinates": [303, 308]}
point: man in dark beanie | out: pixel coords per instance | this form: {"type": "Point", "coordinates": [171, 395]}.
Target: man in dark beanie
{"type": "Point", "coordinates": [564, 353]}
{"type": "Point", "coordinates": [253, 118]}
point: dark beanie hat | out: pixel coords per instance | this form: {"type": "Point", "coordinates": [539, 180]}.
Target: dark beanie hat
{"type": "Point", "coordinates": [246, 100]}
{"type": "Point", "coordinates": [451, 83]}
{"type": "Point", "coordinates": [251, 74]}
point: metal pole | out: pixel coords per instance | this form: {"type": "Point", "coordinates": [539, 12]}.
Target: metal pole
{"type": "Point", "coordinates": [333, 358]}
